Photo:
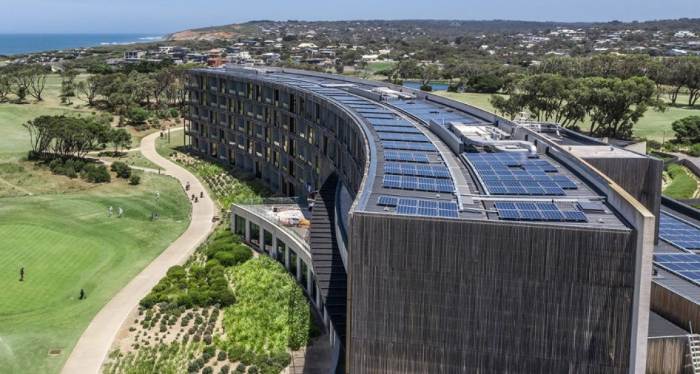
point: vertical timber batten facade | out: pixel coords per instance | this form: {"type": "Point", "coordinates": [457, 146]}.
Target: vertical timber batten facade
{"type": "Point", "coordinates": [470, 293]}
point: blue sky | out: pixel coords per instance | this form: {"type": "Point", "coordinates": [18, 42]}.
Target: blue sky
{"type": "Point", "coordinates": [160, 16]}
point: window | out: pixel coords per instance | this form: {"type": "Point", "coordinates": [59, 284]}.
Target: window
{"type": "Point", "coordinates": [304, 278]}
{"type": "Point", "coordinates": [255, 235]}
{"type": "Point", "coordinates": [239, 225]}
{"type": "Point", "coordinates": [281, 251]}
{"type": "Point", "coordinates": [267, 245]}
{"type": "Point", "coordinates": [293, 263]}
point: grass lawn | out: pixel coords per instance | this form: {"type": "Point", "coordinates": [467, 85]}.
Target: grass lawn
{"type": "Point", "coordinates": [66, 242]}
{"type": "Point", "coordinates": [165, 147]}
{"type": "Point", "coordinates": [14, 141]}
{"type": "Point", "coordinates": [654, 125]}
{"type": "Point", "coordinates": [682, 184]}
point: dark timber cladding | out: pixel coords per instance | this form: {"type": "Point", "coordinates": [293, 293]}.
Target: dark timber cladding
{"type": "Point", "coordinates": [433, 296]}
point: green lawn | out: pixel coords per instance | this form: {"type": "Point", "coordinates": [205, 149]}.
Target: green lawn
{"type": "Point", "coordinates": [67, 242]}
{"type": "Point", "coordinates": [682, 185]}
{"type": "Point", "coordinates": [58, 230]}
{"type": "Point", "coordinates": [165, 147]}
{"type": "Point", "coordinates": [654, 125]}
{"type": "Point", "coordinates": [14, 141]}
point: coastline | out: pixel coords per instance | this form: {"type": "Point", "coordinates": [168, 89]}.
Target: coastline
{"type": "Point", "coordinates": [22, 44]}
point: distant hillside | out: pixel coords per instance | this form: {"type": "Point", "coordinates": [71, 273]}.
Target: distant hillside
{"type": "Point", "coordinates": [435, 28]}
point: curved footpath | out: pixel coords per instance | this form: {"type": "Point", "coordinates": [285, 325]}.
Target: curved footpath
{"type": "Point", "coordinates": [93, 347]}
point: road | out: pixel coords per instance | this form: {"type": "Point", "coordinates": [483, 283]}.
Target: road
{"type": "Point", "coordinates": [94, 344]}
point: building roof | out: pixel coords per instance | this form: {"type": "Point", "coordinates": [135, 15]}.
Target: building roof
{"type": "Point", "coordinates": [414, 171]}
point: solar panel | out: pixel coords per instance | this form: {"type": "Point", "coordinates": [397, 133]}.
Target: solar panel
{"type": "Point", "coordinates": [397, 129]}
{"type": "Point", "coordinates": [419, 138]}
{"type": "Point", "coordinates": [406, 156]}
{"type": "Point", "coordinates": [387, 201]}
{"type": "Point", "coordinates": [427, 208]}
{"type": "Point", "coordinates": [404, 182]}
{"type": "Point", "coordinates": [510, 173]}
{"type": "Point", "coordinates": [536, 211]}
{"type": "Point", "coordinates": [678, 233]}
{"type": "Point", "coordinates": [408, 146]}
{"type": "Point", "coordinates": [400, 168]}
{"type": "Point", "coordinates": [686, 265]}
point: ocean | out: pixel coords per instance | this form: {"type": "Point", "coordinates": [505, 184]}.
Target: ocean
{"type": "Point", "coordinates": [12, 44]}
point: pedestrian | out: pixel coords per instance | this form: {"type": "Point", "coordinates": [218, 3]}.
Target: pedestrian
{"type": "Point", "coordinates": [120, 211]}
{"type": "Point", "coordinates": [82, 294]}
{"type": "Point", "coordinates": [201, 195]}
{"type": "Point", "coordinates": [187, 186]}
{"type": "Point", "coordinates": [196, 199]}
{"type": "Point", "coordinates": [157, 195]}
{"type": "Point", "coordinates": [192, 197]}
{"type": "Point", "coordinates": [109, 211]}
{"type": "Point", "coordinates": [21, 274]}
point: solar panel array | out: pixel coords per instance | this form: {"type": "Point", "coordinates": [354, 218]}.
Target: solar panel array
{"type": "Point", "coordinates": [419, 138]}
{"type": "Point", "coordinates": [518, 174]}
{"type": "Point", "coordinates": [419, 157]}
{"type": "Point", "coordinates": [420, 207]}
{"type": "Point", "coordinates": [419, 170]}
{"type": "Point", "coordinates": [686, 265]}
{"type": "Point", "coordinates": [408, 146]}
{"type": "Point", "coordinates": [678, 233]}
{"type": "Point", "coordinates": [537, 211]}
{"type": "Point", "coordinates": [398, 129]}
{"type": "Point", "coordinates": [404, 182]}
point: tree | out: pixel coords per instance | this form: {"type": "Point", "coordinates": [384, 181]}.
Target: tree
{"type": "Point", "coordinates": [68, 85]}
{"type": "Point", "coordinates": [37, 80]}
{"type": "Point", "coordinates": [427, 74]}
{"type": "Point", "coordinates": [5, 87]}
{"type": "Point", "coordinates": [90, 88]}
{"type": "Point", "coordinates": [120, 138]}
{"type": "Point", "coordinates": [137, 115]}
{"type": "Point", "coordinates": [687, 130]}
{"type": "Point", "coordinates": [616, 105]}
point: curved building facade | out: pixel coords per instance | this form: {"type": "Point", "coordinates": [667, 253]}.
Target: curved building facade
{"type": "Point", "coordinates": [443, 238]}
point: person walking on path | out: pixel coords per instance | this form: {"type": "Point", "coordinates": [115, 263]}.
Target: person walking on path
{"type": "Point", "coordinates": [82, 294]}
{"type": "Point", "coordinates": [21, 274]}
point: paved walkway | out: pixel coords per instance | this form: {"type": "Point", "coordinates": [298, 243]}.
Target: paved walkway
{"type": "Point", "coordinates": [92, 348]}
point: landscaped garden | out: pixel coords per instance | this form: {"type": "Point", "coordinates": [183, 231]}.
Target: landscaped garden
{"type": "Point", "coordinates": [227, 185]}
{"type": "Point", "coordinates": [224, 311]}
{"type": "Point", "coordinates": [679, 182]}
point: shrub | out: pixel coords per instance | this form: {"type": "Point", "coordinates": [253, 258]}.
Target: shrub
{"type": "Point", "coordinates": [121, 169]}
{"type": "Point", "coordinates": [134, 180]}
{"type": "Point", "coordinates": [221, 356]}
{"type": "Point", "coordinates": [426, 87]}
{"type": "Point", "coordinates": [96, 174]}
{"type": "Point", "coordinates": [240, 368]}
{"type": "Point", "coordinates": [252, 370]}
{"type": "Point", "coordinates": [207, 370]}
{"type": "Point", "coordinates": [224, 369]}
{"type": "Point", "coordinates": [694, 150]}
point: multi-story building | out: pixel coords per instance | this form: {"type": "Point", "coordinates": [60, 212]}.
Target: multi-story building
{"type": "Point", "coordinates": [442, 238]}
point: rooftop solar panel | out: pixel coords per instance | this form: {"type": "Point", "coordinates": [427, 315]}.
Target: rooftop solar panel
{"type": "Point", "coordinates": [511, 173]}
{"type": "Point", "coordinates": [679, 233]}
{"type": "Point", "coordinates": [400, 168]}
{"type": "Point", "coordinates": [536, 211]}
{"type": "Point", "coordinates": [427, 208]}
{"type": "Point", "coordinates": [403, 182]}
{"type": "Point", "coordinates": [419, 157]}
{"type": "Point", "coordinates": [420, 138]}
{"type": "Point", "coordinates": [686, 265]}
{"type": "Point", "coordinates": [409, 146]}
